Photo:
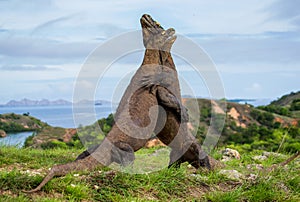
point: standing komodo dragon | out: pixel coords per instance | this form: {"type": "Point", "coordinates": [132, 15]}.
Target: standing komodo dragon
{"type": "Point", "coordinates": [137, 113]}
{"type": "Point", "coordinates": [164, 84]}
{"type": "Point", "coordinates": [175, 132]}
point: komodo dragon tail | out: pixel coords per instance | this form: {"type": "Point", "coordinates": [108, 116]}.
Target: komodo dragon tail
{"type": "Point", "coordinates": [88, 163]}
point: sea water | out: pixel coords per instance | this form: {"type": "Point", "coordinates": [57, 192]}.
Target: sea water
{"type": "Point", "coordinates": [61, 116]}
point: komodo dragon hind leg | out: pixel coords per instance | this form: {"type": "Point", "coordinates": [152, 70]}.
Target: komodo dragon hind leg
{"type": "Point", "coordinates": [87, 152]}
{"type": "Point", "coordinates": [193, 154]}
{"type": "Point", "coordinates": [123, 154]}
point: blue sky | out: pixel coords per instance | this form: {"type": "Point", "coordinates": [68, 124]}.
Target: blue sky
{"type": "Point", "coordinates": [255, 44]}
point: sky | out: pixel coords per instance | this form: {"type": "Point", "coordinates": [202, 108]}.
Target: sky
{"type": "Point", "coordinates": [253, 44]}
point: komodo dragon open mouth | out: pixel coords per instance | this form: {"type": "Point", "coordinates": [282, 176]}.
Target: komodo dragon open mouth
{"type": "Point", "coordinates": [154, 32]}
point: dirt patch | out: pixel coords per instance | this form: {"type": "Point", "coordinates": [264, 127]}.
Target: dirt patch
{"type": "Point", "coordinates": [67, 137]}
{"type": "Point", "coordinates": [197, 192]}
{"type": "Point", "coordinates": [8, 193]}
{"type": "Point", "coordinates": [41, 194]}
{"type": "Point", "coordinates": [236, 116]}
{"type": "Point", "coordinates": [234, 113]}
{"type": "Point", "coordinates": [3, 120]}
{"type": "Point", "coordinates": [294, 122]}
{"type": "Point", "coordinates": [154, 142]}
{"type": "Point", "coordinates": [228, 185]}
{"type": "Point", "coordinates": [217, 109]}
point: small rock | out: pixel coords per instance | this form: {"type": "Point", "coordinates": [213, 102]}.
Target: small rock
{"type": "Point", "coordinates": [260, 158]}
{"type": "Point", "coordinates": [231, 153]}
{"type": "Point", "coordinates": [225, 158]}
{"type": "Point", "coordinates": [31, 172]}
{"type": "Point", "coordinates": [96, 187]}
{"type": "Point", "coordinates": [283, 187]}
{"type": "Point", "coordinates": [251, 177]}
{"type": "Point", "coordinates": [2, 133]}
{"type": "Point", "coordinates": [232, 174]}
{"type": "Point", "coordinates": [268, 154]}
{"type": "Point", "coordinates": [254, 166]}
{"type": "Point", "coordinates": [76, 175]}
{"type": "Point", "coordinates": [197, 176]}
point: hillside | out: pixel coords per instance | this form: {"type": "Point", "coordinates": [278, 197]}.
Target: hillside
{"type": "Point", "coordinates": [19, 123]}
{"type": "Point", "coordinates": [245, 125]}
{"type": "Point", "coordinates": [50, 137]}
{"type": "Point", "coordinates": [239, 124]}
{"type": "Point", "coordinates": [286, 100]}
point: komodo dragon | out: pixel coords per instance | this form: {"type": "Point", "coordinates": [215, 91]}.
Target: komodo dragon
{"type": "Point", "coordinates": [165, 83]}
{"type": "Point", "coordinates": [175, 133]}
{"type": "Point", "coordinates": [136, 115]}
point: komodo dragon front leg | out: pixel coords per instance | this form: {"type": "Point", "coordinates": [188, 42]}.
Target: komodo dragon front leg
{"type": "Point", "coordinates": [168, 100]}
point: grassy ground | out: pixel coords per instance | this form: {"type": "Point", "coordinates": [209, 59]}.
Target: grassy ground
{"type": "Point", "coordinates": [23, 169]}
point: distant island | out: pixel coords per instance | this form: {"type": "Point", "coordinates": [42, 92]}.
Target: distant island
{"type": "Point", "coordinates": [45, 102]}
{"type": "Point", "coordinates": [28, 102]}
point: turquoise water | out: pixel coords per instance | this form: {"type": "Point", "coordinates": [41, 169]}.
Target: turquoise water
{"type": "Point", "coordinates": [61, 116]}
{"type": "Point", "coordinates": [15, 139]}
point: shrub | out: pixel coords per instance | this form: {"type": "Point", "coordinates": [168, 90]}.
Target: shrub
{"type": "Point", "coordinates": [295, 105]}
{"type": "Point", "coordinates": [264, 118]}
{"type": "Point", "coordinates": [54, 144]}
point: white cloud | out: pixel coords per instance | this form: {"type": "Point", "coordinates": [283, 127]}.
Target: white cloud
{"type": "Point", "coordinates": [254, 88]}
{"type": "Point", "coordinates": [39, 47]}
{"type": "Point", "coordinates": [244, 39]}
{"type": "Point", "coordinates": [26, 67]}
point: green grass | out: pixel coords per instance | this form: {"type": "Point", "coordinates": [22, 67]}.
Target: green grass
{"type": "Point", "coordinates": [23, 169]}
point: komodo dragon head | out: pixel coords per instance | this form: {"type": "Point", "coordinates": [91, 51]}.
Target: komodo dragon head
{"type": "Point", "coordinates": [154, 35]}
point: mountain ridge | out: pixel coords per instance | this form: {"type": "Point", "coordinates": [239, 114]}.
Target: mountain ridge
{"type": "Point", "coordinates": [25, 102]}
{"type": "Point", "coordinates": [286, 100]}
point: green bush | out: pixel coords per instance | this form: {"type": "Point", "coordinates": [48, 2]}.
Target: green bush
{"type": "Point", "coordinates": [264, 118]}
{"type": "Point", "coordinates": [12, 127]}
{"type": "Point", "coordinates": [295, 105]}
{"type": "Point", "coordinates": [276, 109]}
{"type": "Point", "coordinates": [29, 140]}
{"type": "Point", "coordinates": [54, 144]}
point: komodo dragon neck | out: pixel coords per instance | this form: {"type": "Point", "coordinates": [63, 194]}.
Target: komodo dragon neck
{"type": "Point", "coordinates": [152, 56]}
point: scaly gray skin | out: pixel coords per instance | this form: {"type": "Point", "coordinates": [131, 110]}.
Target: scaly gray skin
{"type": "Point", "coordinates": [137, 113]}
